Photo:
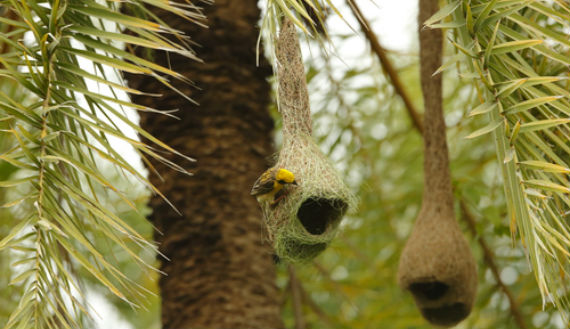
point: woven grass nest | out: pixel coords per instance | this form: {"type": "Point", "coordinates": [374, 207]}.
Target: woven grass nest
{"type": "Point", "coordinates": [302, 224]}
{"type": "Point", "coordinates": [436, 265]}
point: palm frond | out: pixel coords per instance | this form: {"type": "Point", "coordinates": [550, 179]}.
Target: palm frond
{"type": "Point", "coordinates": [307, 15]}
{"type": "Point", "coordinates": [61, 108]}
{"type": "Point", "coordinates": [519, 54]}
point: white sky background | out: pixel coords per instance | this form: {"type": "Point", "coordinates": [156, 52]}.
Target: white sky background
{"type": "Point", "coordinates": [394, 22]}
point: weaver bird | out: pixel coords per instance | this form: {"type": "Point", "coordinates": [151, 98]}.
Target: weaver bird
{"type": "Point", "coordinates": [270, 183]}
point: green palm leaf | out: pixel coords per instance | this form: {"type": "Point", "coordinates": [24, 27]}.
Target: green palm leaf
{"type": "Point", "coordinates": [522, 64]}
{"type": "Point", "coordinates": [307, 15]}
{"type": "Point", "coordinates": [59, 128]}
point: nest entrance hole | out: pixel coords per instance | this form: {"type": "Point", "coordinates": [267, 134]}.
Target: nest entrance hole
{"type": "Point", "coordinates": [429, 290]}
{"type": "Point", "coordinates": [317, 214]}
{"type": "Point", "coordinates": [446, 315]}
{"type": "Point", "coordinates": [432, 291]}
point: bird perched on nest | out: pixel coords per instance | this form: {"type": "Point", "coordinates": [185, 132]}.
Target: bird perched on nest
{"type": "Point", "coordinates": [267, 187]}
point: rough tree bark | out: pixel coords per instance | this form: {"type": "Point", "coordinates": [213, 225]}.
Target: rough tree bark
{"type": "Point", "coordinates": [220, 273]}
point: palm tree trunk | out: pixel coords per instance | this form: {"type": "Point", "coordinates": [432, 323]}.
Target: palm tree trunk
{"type": "Point", "coordinates": [220, 273]}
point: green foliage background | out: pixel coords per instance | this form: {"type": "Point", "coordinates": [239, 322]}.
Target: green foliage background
{"type": "Point", "coordinates": [362, 124]}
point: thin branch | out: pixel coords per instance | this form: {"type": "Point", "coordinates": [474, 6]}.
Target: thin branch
{"type": "Point", "coordinates": [311, 303]}
{"type": "Point", "coordinates": [387, 66]}
{"type": "Point", "coordinates": [285, 294]}
{"type": "Point", "coordinates": [325, 273]}
{"type": "Point", "coordinates": [489, 258]}
{"type": "Point", "coordinates": [296, 299]}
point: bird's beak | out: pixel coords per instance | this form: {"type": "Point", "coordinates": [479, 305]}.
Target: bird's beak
{"type": "Point", "coordinates": [295, 183]}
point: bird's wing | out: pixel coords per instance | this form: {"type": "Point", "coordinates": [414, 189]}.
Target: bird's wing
{"type": "Point", "coordinates": [264, 184]}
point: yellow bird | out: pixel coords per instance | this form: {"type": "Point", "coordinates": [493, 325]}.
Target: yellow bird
{"type": "Point", "coordinates": [270, 183]}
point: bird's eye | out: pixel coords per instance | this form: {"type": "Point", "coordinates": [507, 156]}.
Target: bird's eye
{"type": "Point", "coordinates": [282, 182]}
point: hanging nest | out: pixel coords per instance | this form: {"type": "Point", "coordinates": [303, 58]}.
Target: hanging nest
{"type": "Point", "coordinates": [305, 221]}
{"type": "Point", "coordinates": [437, 265]}
{"type": "Point", "coordinates": [303, 224]}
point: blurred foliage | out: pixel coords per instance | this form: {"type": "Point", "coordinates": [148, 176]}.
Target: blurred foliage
{"type": "Point", "coordinates": [363, 126]}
